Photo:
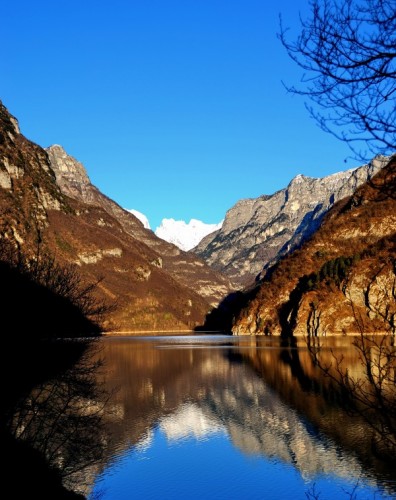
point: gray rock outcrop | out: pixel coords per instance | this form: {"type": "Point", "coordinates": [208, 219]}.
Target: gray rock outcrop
{"type": "Point", "coordinates": [258, 231]}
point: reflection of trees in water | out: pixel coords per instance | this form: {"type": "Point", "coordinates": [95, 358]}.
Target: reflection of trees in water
{"type": "Point", "coordinates": [62, 419]}
{"type": "Point", "coordinates": [371, 394]}
{"type": "Point", "coordinates": [49, 410]}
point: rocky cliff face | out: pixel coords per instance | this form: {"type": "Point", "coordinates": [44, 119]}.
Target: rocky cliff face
{"type": "Point", "coordinates": [342, 280]}
{"type": "Point", "coordinates": [258, 231]}
{"type": "Point", "coordinates": [27, 185]}
{"type": "Point", "coordinates": [47, 200]}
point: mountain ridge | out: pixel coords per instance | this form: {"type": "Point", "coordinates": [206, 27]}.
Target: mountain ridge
{"type": "Point", "coordinates": [73, 180]}
{"type": "Point", "coordinates": [340, 280]}
{"type": "Point", "coordinates": [258, 231]}
{"type": "Point", "coordinates": [139, 215]}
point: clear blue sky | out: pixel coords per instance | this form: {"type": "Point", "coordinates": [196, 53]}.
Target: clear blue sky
{"type": "Point", "coordinates": [175, 107]}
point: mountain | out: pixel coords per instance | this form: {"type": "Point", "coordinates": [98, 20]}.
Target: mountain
{"type": "Point", "coordinates": [183, 235]}
{"type": "Point", "coordinates": [185, 268]}
{"type": "Point", "coordinates": [257, 231]}
{"type": "Point", "coordinates": [48, 205]}
{"type": "Point", "coordinates": [342, 280]}
{"type": "Point", "coordinates": [143, 219]}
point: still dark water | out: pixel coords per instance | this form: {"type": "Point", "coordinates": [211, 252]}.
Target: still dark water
{"type": "Point", "coordinates": [219, 417]}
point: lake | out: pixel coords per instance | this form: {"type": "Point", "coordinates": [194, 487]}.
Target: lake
{"type": "Point", "coordinates": [220, 417]}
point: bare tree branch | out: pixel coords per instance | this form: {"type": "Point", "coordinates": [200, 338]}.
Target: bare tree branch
{"type": "Point", "coordinates": [347, 50]}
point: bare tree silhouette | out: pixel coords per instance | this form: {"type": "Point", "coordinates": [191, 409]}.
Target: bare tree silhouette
{"type": "Point", "coordinates": [54, 297]}
{"type": "Point", "coordinates": [347, 50]}
{"type": "Point", "coordinates": [62, 420]}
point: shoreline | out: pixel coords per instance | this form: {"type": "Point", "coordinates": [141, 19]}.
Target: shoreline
{"type": "Point", "coordinates": [164, 333]}
{"type": "Point", "coordinates": [137, 333]}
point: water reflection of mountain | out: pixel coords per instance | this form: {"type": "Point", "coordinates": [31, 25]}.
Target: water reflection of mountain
{"type": "Point", "coordinates": [294, 375]}
{"type": "Point", "coordinates": [269, 405]}
{"type": "Point", "coordinates": [260, 423]}
{"type": "Point", "coordinates": [190, 420]}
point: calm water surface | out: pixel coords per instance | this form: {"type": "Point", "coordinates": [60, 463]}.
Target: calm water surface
{"type": "Point", "coordinates": [219, 417]}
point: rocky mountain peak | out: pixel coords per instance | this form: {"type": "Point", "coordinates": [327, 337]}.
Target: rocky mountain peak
{"type": "Point", "coordinates": [27, 187]}
{"type": "Point", "coordinates": [257, 231]}
{"type": "Point", "coordinates": [340, 280]}
{"type": "Point", "coordinates": [15, 124]}
{"type": "Point", "coordinates": [299, 179]}
{"type": "Point", "coordinates": [71, 176]}
{"type": "Point", "coordinates": [66, 167]}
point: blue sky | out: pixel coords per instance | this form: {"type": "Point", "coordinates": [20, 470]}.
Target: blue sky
{"type": "Point", "coordinates": [175, 107]}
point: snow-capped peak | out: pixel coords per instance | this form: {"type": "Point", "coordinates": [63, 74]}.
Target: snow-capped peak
{"type": "Point", "coordinates": [143, 219]}
{"type": "Point", "coordinates": [183, 235]}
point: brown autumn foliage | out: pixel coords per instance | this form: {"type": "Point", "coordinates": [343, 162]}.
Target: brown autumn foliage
{"type": "Point", "coordinates": [354, 247]}
{"type": "Point", "coordinates": [151, 293]}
